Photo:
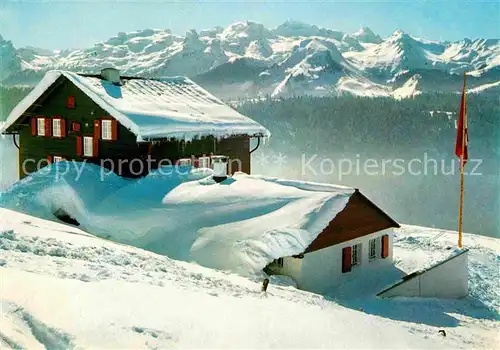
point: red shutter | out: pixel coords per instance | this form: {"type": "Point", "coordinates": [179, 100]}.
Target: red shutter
{"type": "Point", "coordinates": [63, 127]}
{"type": "Point", "coordinates": [97, 129]}
{"type": "Point", "coordinates": [48, 127]}
{"type": "Point", "coordinates": [75, 126]}
{"type": "Point", "coordinates": [79, 145]}
{"type": "Point", "coordinates": [385, 246]}
{"type": "Point", "coordinates": [49, 159]}
{"type": "Point", "coordinates": [346, 259]}
{"type": "Point", "coordinates": [71, 102]}
{"type": "Point", "coordinates": [34, 126]}
{"type": "Point", "coordinates": [95, 147]}
{"type": "Point", "coordinates": [114, 130]}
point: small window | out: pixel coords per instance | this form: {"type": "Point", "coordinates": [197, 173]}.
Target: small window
{"type": "Point", "coordinates": [57, 159]}
{"type": "Point", "coordinates": [356, 254]}
{"type": "Point", "coordinates": [40, 126]}
{"type": "Point", "coordinates": [88, 150]}
{"type": "Point", "coordinates": [75, 126]}
{"type": "Point", "coordinates": [373, 249]}
{"type": "Point", "coordinates": [106, 133]}
{"type": "Point", "coordinates": [280, 262]}
{"type": "Point", "coordinates": [56, 127]}
{"type": "Point", "coordinates": [70, 102]}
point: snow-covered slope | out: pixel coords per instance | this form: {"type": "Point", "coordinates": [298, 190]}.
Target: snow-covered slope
{"type": "Point", "coordinates": [247, 59]}
{"type": "Point", "coordinates": [62, 288]}
{"type": "Point", "coordinates": [409, 89]}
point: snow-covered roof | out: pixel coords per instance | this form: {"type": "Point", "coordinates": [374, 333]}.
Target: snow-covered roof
{"type": "Point", "coordinates": [153, 108]}
{"type": "Point", "coordinates": [241, 224]}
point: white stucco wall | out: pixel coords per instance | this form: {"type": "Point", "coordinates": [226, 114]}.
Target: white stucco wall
{"type": "Point", "coordinates": [448, 279]}
{"type": "Point", "coordinates": [9, 164]}
{"type": "Point", "coordinates": [322, 269]}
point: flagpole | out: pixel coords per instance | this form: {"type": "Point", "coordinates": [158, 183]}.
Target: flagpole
{"type": "Point", "coordinates": [461, 206]}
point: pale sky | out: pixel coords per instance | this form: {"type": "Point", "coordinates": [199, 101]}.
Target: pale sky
{"type": "Point", "coordinates": [72, 24]}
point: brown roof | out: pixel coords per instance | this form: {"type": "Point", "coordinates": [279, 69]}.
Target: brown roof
{"type": "Point", "coordinates": [360, 217]}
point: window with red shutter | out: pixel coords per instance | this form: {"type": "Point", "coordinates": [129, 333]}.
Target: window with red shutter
{"type": "Point", "coordinates": [385, 246]}
{"type": "Point", "coordinates": [106, 133]}
{"type": "Point", "coordinates": [56, 127]}
{"type": "Point", "coordinates": [346, 259]}
{"type": "Point", "coordinates": [71, 102]}
{"type": "Point", "coordinates": [88, 146]}
{"type": "Point", "coordinates": [41, 126]}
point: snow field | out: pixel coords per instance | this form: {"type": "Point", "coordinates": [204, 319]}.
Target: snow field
{"type": "Point", "coordinates": [63, 288]}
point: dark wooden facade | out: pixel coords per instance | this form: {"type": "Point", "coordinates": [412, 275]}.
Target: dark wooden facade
{"type": "Point", "coordinates": [360, 217]}
{"type": "Point", "coordinates": [132, 155]}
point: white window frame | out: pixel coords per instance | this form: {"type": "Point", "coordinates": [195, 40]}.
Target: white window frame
{"type": "Point", "coordinates": [106, 129]}
{"type": "Point", "coordinates": [204, 162]}
{"type": "Point", "coordinates": [88, 146]}
{"type": "Point", "coordinates": [372, 249]}
{"type": "Point", "coordinates": [40, 126]}
{"type": "Point", "coordinates": [356, 254]}
{"type": "Point", "coordinates": [184, 162]}
{"type": "Point", "coordinates": [57, 159]}
{"type": "Point", "coordinates": [56, 127]}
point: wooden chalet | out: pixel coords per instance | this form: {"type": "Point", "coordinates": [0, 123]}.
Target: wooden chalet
{"type": "Point", "coordinates": [126, 123]}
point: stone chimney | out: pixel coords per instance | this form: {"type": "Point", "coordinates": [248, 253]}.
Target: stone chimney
{"type": "Point", "coordinates": [111, 74]}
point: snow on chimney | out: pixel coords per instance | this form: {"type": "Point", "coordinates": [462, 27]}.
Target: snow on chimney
{"type": "Point", "coordinates": [111, 74]}
{"type": "Point", "coordinates": [219, 166]}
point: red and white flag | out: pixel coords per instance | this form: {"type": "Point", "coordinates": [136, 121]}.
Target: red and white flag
{"type": "Point", "coordinates": [462, 136]}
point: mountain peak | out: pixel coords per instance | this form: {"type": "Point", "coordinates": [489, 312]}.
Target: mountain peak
{"type": "Point", "coordinates": [398, 34]}
{"type": "Point", "coordinates": [292, 23]}
{"type": "Point", "coordinates": [293, 28]}
{"type": "Point", "coordinates": [212, 32]}
{"type": "Point", "coordinates": [192, 34]}
{"type": "Point", "coordinates": [246, 31]}
{"type": "Point", "coordinates": [366, 35]}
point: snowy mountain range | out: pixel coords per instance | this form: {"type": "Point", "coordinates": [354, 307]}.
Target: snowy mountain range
{"type": "Point", "coordinates": [248, 60]}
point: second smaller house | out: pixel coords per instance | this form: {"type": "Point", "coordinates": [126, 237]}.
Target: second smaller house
{"type": "Point", "coordinates": [128, 124]}
{"type": "Point", "coordinates": [360, 236]}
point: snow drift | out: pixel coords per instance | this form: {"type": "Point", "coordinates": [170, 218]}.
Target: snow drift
{"type": "Point", "coordinates": [241, 224]}
{"type": "Point", "coordinates": [9, 172]}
